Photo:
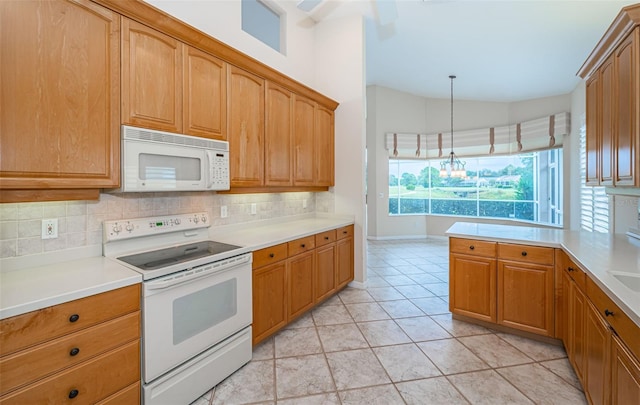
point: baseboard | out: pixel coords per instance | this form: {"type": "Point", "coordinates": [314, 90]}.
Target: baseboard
{"type": "Point", "coordinates": [358, 284]}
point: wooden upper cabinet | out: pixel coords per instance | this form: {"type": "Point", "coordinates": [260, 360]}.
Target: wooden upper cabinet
{"type": "Point", "coordinates": [303, 141]}
{"type": "Point", "coordinates": [608, 125]}
{"type": "Point", "coordinates": [60, 96]}
{"type": "Point", "coordinates": [151, 78]}
{"type": "Point", "coordinates": [627, 115]}
{"type": "Point", "coordinates": [245, 119]}
{"type": "Point", "coordinates": [278, 136]}
{"type": "Point", "coordinates": [204, 99]}
{"type": "Point", "coordinates": [593, 130]}
{"type": "Point", "coordinates": [324, 147]}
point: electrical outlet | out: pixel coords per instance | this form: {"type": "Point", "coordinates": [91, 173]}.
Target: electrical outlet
{"type": "Point", "coordinates": [223, 211]}
{"type": "Point", "coordinates": [254, 208]}
{"type": "Point", "coordinates": [304, 203]}
{"type": "Point", "coordinates": [50, 228]}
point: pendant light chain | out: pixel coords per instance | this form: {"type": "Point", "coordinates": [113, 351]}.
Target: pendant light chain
{"type": "Point", "coordinates": [452, 167]}
{"type": "Point", "coordinates": [452, 77]}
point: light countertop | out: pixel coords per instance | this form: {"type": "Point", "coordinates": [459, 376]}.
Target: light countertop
{"type": "Point", "coordinates": [602, 256]}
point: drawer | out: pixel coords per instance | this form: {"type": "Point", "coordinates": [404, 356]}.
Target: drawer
{"type": "Point", "coordinates": [35, 327]}
{"type": "Point", "coordinates": [26, 366]}
{"type": "Point", "coordinates": [472, 247]}
{"type": "Point", "coordinates": [344, 232]}
{"type": "Point", "coordinates": [526, 253]}
{"type": "Point", "coordinates": [269, 255]}
{"type": "Point", "coordinates": [301, 245]}
{"type": "Point", "coordinates": [325, 238]}
{"type": "Point", "coordinates": [126, 396]}
{"type": "Point", "coordinates": [576, 273]}
{"type": "Point", "coordinates": [621, 323]}
{"type": "Point", "coordinates": [90, 381]}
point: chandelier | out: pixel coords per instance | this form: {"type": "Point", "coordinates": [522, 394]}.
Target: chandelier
{"type": "Point", "coordinates": [452, 166]}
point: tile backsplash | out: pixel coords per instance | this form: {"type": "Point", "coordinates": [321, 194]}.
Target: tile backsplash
{"type": "Point", "coordinates": [80, 222]}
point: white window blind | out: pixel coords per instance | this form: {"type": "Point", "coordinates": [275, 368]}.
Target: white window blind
{"type": "Point", "coordinates": [594, 202]}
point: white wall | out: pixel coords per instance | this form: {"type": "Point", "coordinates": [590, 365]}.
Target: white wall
{"type": "Point", "coordinates": [394, 111]}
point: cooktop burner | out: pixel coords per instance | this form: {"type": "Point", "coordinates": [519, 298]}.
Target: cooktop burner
{"type": "Point", "coordinates": [158, 259]}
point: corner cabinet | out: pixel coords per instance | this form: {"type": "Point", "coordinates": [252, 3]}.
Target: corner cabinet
{"type": "Point", "coordinates": [59, 100]}
{"type": "Point", "coordinates": [613, 104]}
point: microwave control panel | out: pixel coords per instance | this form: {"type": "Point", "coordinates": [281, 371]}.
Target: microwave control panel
{"type": "Point", "coordinates": [219, 170]}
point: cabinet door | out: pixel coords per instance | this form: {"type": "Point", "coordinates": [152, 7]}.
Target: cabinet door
{"type": "Point", "coordinates": [473, 286]}
{"type": "Point", "coordinates": [607, 76]}
{"type": "Point", "coordinates": [597, 346]}
{"type": "Point", "coordinates": [151, 78]}
{"type": "Point", "coordinates": [344, 261]}
{"type": "Point", "coordinates": [628, 94]}
{"type": "Point", "coordinates": [303, 141]}
{"type": "Point", "coordinates": [324, 147]}
{"type": "Point", "coordinates": [300, 279]}
{"type": "Point", "coordinates": [576, 340]}
{"type": "Point", "coordinates": [278, 136]}
{"type": "Point", "coordinates": [594, 122]}
{"type": "Point", "coordinates": [60, 95]}
{"type": "Point", "coordinates": [269, 300]}
{"type": "Point", "coordinates": [325, 272]}
{"type": "Point", "coordinates": [525, 297]}
{"type": "Point", "coordinates": [204, 102]}
{"type": "Point", "coordinates": [245, 119]}
{"type": "Point", "coordinates": [563, 312]}
{"type": "Point", "coordinates": [625, 375]}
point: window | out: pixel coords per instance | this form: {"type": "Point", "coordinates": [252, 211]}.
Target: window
{"type": "Point", "coordinates": [527, 187]}
{"type": "Point", "coordinates": [594, 202]}
{"type": "Point", "coordinates": [261, 20]}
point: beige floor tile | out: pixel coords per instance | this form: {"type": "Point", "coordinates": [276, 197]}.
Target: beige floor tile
{"type": "Point", "coordinates": [380, 395]}
{"type": "Point", "coordinates": [305, 375]}
{"type": "Point", "coordinates": [438, 289]}
{"type": "Point", "coordinates": [387, 271]}
{"type": "Point", "coordinates": [376, 281]}
{"type": "Point", "coordinates": [422, 328]}
{"type": "Point", "coordinates": [385, 293]}
{"type": "Point", "coordinates": [487, 387]}
{"type": "Point", "coordinates": [305, 321]}
{"type": "Point", "coordinates": [410, 269]}
{"type": "Point", "coordinates": [541, 385]}
{"type": "Point", "coordinates": [425, 278]}
{"type": "Point", "coordinates": [442, 275]}
{"type": "Point", "coordinates": [451, 357]}
{"type": "Point", "coordinates": [252, 383]}
{"type": "Point", "coordinates": [432, 391]}
{"type": "Point", "coordinates": [399, 280]}
{"type": "Point", "coordinates": [334, 300]}
{"type": "Point", "coordinates": [341, 337]}
{"type": "Point", "coordinates": [367, 311]}
{"type": "Point", "coordinates": [494, 351]}
{"type": "Point", "coordinates": [264, 350]}
{"type": "Point", "coordinates": [383, 333]}
{"type": "Point", "coordinates": [318, 399]}
{"type": "Point", "coordinates": [432, 305]}
{"type": "Point", "coordinates": [331, 315]}
{"type": "Point", "coordinates": [401, 309]}
{"type": "Point", "coordinates": [459, 328]}
{"type": "Point", "coordinates": [353, 295]}
{"type": "Point", "coordinates": [539, 351]}
{"type": "Point", "coordinates": [356, 368]}
{"type": "Point", "coordinates": [297, 342]}
{"type": "Point", "coordinates": [563, 369]}
{"type": "Point", "coordinates": [405, 362]}
{"type": "Point", "coordinates": [414, 291]}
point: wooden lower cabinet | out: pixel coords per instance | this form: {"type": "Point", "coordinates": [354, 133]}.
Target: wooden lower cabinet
{"type": "Point", "coordinates": [473, 287]}
{"type": "Point", "coordinates": [577, 310]}
{"type": "Point", "coordinates": [344, 261]}
{"type": "Point", "coordinates": [300, 284]}
{"type": "Point", "coordinates": [269, 299]}
{"type": "Point", "coordinates": [325, 272]}
{"type": "Point", "coordinates": [597, 337]}
{"type": "Point", "coordinates": [625, 374]}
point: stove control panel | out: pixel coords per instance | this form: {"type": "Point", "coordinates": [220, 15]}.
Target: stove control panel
{"type": "Point", "coordinates": [137, 227]}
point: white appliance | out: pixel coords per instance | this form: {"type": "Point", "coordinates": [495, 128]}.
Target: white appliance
{"type": "Point", "coordinates": [162, 161]}
{"type": "Point", "coordinates": [196, 303]}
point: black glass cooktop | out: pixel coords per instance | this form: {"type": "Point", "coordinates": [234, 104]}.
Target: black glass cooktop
{"type": "Point", "coordinates": [158, 259]}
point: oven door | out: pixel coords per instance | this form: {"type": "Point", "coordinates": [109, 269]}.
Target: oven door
{"type": "Point", "coordinates": [187, 312]}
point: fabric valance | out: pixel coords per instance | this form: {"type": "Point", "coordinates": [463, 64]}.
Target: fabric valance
{"type": "Point", "coordinates": [538, 134]}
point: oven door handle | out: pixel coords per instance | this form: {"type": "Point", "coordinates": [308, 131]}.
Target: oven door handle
{"type": "Point", "coordinates": [187, 276]}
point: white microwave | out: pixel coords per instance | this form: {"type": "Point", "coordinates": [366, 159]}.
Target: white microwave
{"type": "Point", "coordinates": [161, 161]}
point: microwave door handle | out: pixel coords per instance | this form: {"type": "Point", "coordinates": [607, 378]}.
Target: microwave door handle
{"type": "Point", "coordinates": [209, 173]}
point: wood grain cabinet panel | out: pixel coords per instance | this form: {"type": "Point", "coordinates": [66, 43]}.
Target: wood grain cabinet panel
{"type": "Point", "coordinates": [576, 334]}
{"type": "Point", "coordinates": [325, 272]}
{"type": "Point", "coordinates": [126, 396]}
{"type": "Point", "coordinates": [300, 283]}
{"type": "Point", "coordinates": [59, 99]}
{"type": "Point", "coordinates": [608, 124]}
{"type": "Point", "coordinates": [593, 128]}
{"type": "Point", "coordinates": [344, 260]}
{"type": "Point", "coordinates": [597, 339]}
{"type": "Point", "coordinates": [269, 255]}
{"type": "Point", "coordinates": [303, 142]}
{"type": "Point", "coordinates": [625, 375]}
{"type": "Point", "coordinates": [472, 286]}
{"type": "Point", "coordinates": [278, 162]}
{"type": "Point", "coordinates": [269, 300]}
{"type": "Point", "coordinates": [245, 121]}
{"type": "Point", "coordinates": [324, 147]}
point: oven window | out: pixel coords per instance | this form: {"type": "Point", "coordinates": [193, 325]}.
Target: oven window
{"type": "Point", "coordinates": [163, 167]}
{"type": "Point", "coordinates": [203, 309]}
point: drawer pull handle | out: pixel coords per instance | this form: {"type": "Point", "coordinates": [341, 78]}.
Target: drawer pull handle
{"type": "Point", "coordinates": [74, 318]}
{"type": "Point", "coordinates": [344, 232]}
{"type": "Point", "coordinates": [73, 394]}
{"type": "Point", "coordinates": [303, 245]}
{"type": "Point", "coordinates": [570, 269]}
{"type": "Point", "coordinates": [524, 253]}
{"type": "Point", "coordinates": [326, 238]}
{"type": "Point", "coordinates": [271, 255]}
{"type": "Point", "coordinates": [472, 247]}
{"type": "Point", "coordinates": [74, 351]}
{"type": "Point", "coordinates": [608, 313]}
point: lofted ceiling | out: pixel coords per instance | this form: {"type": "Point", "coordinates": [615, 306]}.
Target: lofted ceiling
{"type": "Point", "coordinates": [501, 50]}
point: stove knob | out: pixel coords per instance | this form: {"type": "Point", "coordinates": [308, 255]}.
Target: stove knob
{"type": "Point", "coordinates": [204, 219]}
{"type": "Point", "coordinates": [117, 229]}
{"type": "Point", "coordinates": [129, 227]}
{"type": "Point", "coordinates": [195, 220]}
{"type": "Point", "coordinates": [177, 221]}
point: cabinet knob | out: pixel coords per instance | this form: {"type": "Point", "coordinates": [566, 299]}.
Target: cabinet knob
{"type": "Point", "coordinates": [74, 318]}
{"type": "Point", "coordinates": [73, 394]}
{"type": "Point", "coordinates": [524, 253]}
{"type": "Point", "coordinates": [326, 238]}
{"type": "Point", "coordinates": [608, 313]}
{"type": "Point", "coordinates": [271, 255]}
{"type": "Point", "coordinates": [303, 245]}
{"type": "Point", "coordinates": [570, 269]}
{"type": "Point", "coordinates": [344, 232]}
{"type": "Point", "coordinates": [472, 247]}
{"type": "Point", "coordinates": [74, 351]}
